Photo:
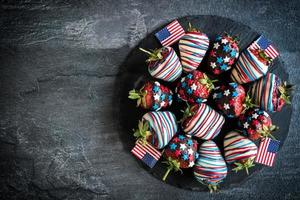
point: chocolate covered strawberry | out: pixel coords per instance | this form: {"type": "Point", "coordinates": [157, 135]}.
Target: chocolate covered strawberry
{"type": "Point", "coordinates": [224, 53]}
{"type": "Point", "coordinates": [195, 87]}
{"type": "Point", "coordinates": [157, 128]}
{"type": "Point", "coordinates": [256, 123]}
{"type": "Point", "coordinates": [239, 151]}
{"type": "Point", "coordinates": [202, 121]}
{"type": "Point", "coordinates": [254, 62]}
{"type": "Point", "coordinates": [192, 47]}
{"type": "Point", "coordinates": [164, 64]}
{"type": "Point", "coordinates": [152, 95]}
{"type": "Point", "coordinates": [232, 100]}
{"type": "Point", "coordinates": [210, 168]}
{"type": "Point", "coordinates": [270, 93]}
{"type": "Point", "coordinates": [181, 153]}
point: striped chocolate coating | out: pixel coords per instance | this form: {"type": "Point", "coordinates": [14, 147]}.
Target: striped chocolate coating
{"type": "Point", "coordinates": [205, 124]}
{"type": "Point", "coordinates": [262, 92]}
{"type": "Point", "coordinates": [192, 48]}
{"type": "Point", "coordinates": [248, 68]}
{"type": "Point", "coordinates": [168, 69]}
{"type": "Point", "coordinates": [210, 167]}
{"type": "Point", "coordinates": [162, 125]}
{"type": "Point", "coordinates": [238, 147]}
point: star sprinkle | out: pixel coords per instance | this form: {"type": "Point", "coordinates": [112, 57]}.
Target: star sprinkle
{"type": "Point", "coordinates": [216, 45]}
{"type": "Point", "coordinates": [173, 146]}
{"type": "Point", "coordinates": [234, 94]}
{"type": "Point", "coordinates": [182, 146]}
{"type": "Point", "coordinates": [226, 59]}
{"type": "Point", "coordinates": [213, 65]}
{"type": "Point", "coordinates": [156, 97]}
{"type": "Point", "coordinates": [162, 97]}
{"type": "Point", "coordinates": [198, 100]}
{"type": "Point", "coordinates": [190, 91]}
{"type": "Point", "coordinates": [155, 89]}
{"type": "Point", "coordinates": [224, 41]}
{"type": "Point", "coordinates": [177, 152]}
{"type": "Point", "coordinates": [191, 164]}
{"type": "Point", "coordinates": [162, 104]}
{"type": "Point", "coordinates": [223, 66]}
{"type": "Point", "coordinates": [219, 60]}
{"type": "Point", "coordinates": [194, 86]}
{"type": "Point", "coordinates": [181, 137]}
{"type": "Point", "coordinates": [226, 48]}
{"type": "Point", "coordinates": [190, 142]}
{"type": "Point", "coordinates": [190, 151]}
{"type": "Point", "coordinates": [226, 106]}
{"type": "Point", "coordinates": [155, 106]}
{"type": "Point", "coordinates": [246, 125]}
{"type": "Point", "coordinates": [233, 53]}
{"type": "Point", "coordinates": [255, 115]}
{"type": "Point", "coordinates": [215, 95]}
{"type": "Point", "coordinates": [189, 76]}
{"type": "Point", "coordinates": [183, 84]}
{"type": "Point", "coordinates": [185, 157]}
{"type": "Point", "coordinates": [226, 92]}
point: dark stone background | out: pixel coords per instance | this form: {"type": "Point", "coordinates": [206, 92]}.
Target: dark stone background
{"type": "Point", "coordinates": [59, 62]}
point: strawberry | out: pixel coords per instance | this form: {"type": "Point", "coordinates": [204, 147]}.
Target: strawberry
{"type": "Point", "coordinates": [231, 99]}
{"type": "Point", "coordinates": [210, 168]}
{"type": "Point", "coordinates": [157, 128]}
{"type": "Point", "coordinates": [254, 62]}
{"type": "Point", "coordinates": [271, 93]}
{"type": "Point", "coordinates": [181, 153]}
{"type": "Point", "coordinates": [239, 151]}
{"type": "Point", "coordinates": [152, 95]}
{"type": "Point", "coordinates": [224, 53]}
{"type": "Point", "coordinates": [256, 123]}
{"type": "Point", "coordinates": [195, 87]}
{"type": "Point", "coordinates": [202, 121]}
{"type": "Point", "coordinates": [164, 64]}
{"type": "Point", "coordinates": [192, 47]}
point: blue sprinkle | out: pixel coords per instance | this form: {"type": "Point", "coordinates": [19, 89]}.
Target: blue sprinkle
{"type": "Point", "coordinates": [233, 53]}
{"type": "Point", "coordinates": [219, 60]}
{"type": "Point", "coordinates": [173, 146]}
{"type": "Point", "coordinates": [223, 66]}
{"type": "Point", "coordinates": [226, 48]}
{"type": "Point", "coordinates": [155, 88]}
{"type": "Point", "coordinates": [162, 97]}
{"type": "Point", "coordinates": [198, 100]}
{"type": "Point", "coordinates": [181, 137]}
{"type": "Point", "coordinates": [189, 76]}
{"type": "Point", "coordinates": [190, 91]}
{"type": "Point", "coordinates": [185, 157]}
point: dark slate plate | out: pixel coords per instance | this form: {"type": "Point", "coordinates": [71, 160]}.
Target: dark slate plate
{"type": "Point", "coordinates": [134, 73]}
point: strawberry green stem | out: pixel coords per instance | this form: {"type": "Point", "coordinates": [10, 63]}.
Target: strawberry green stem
{"type": "Point", "coordinates": [154, 55]}
{"type": "Point", "coordinates": [167, 173]}
{"type": "Point", "coordinates": [248, 103]}
{"type": "Point", "coordinates": [284, 91]}
{"type": "Point", "coordinates": [173, 165]}
{"type": "Point", "coordinates": [212, 188]}
{"type": "Point", "coordinates": [142, 132]}
{"type": "Point", "coordinates": [207, 82]}
{"type": "Point", "coordinates": [267, 131]}
{"type": "Point", "coordinates": [193, 29]}
{"type": "Point", "coordinates": [244, 165]}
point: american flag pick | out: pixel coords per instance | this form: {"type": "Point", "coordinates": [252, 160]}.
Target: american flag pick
{"type": "Point", "coordinates": [146, 153]}
{"type": "Point", "coordinates": [266, 45]}
{"type": "Point", "coordinates": [267, 151]}
{"type": "Point", "coordinates": [170, 34]}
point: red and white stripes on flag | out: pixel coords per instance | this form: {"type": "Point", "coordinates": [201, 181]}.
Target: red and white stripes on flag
{"type": "Point", "coordinates": [170, 34]}
{"type": "Point", "coordinates": [266, 45]}
{"type": "Point", "coordinates": [267, 151]}
{"type": "Point", "coordinates": [146, 152]}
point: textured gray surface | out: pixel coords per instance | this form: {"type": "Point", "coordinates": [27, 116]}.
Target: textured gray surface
{"type": "Point", "coordinates": [59, 62]}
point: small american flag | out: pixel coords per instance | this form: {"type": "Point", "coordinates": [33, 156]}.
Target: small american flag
{"type": "Point", "coordinates": [170, 34]}
{"type": "Point", "coordinates": [147, 153]}
{"type": "Point", "coordinates": [267, 151]}
{"type": "Point", "coordinates": [266, 45]}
